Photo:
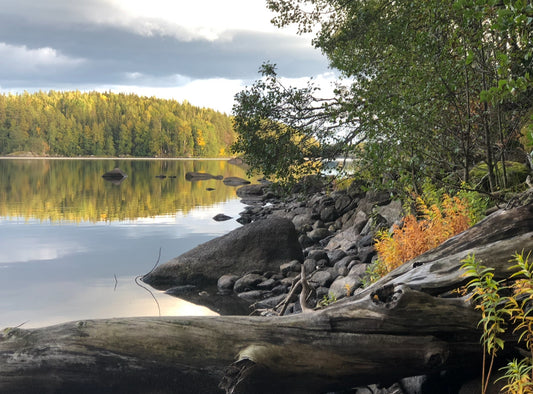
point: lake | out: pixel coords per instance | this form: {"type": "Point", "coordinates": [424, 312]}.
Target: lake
{"type": "Point", "coordinates": [72, 243]}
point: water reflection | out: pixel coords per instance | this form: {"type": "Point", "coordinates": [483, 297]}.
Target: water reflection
{"type": "Point", "coordinates": [74, 190]}
{"type": "Point", "coordinates": [66, 234]}
{"type": "Point", "coordinates": [81, 301]}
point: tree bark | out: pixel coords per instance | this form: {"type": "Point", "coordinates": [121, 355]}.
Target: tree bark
{"type": "Point", "coordinates": [400, 326]}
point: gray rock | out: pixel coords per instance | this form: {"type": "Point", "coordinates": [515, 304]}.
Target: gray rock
{"type": "Point", "coordinates": [292, 266]}
{"type": "Point", "coordinates": [262, 245]}
{"type": "Point", "coordinates": [253, 295]}
{"type": "Point", "coordinates": [342, 270]}
{"type": "Point", "coordinates": [322, 263]}
{"type": "Point", "coordinates": [302, 220]}
{"type": "Point", "coordinates": [367, 240]}
{"type": "Point", "coordinates": [333, 272]}
{"type": "Point", "coordinates": [221, 217]}
{"type": "Point", "coordinates": [305, 241]}
{"type": "Point", "coordinates": [374, 224]}
{"type": "Point", "coordinates": [391, 212]}
{"type": "Point", "coordinates": [320, 278]}
{"type": "Point", "coordinates": [363, 390]}
{"type": "Point", "coordinates": [318, 254]}
{"type": "Point", "coordinates": [329, 213]}
{"type": "Point", "coordinates": [268, 284]}
{"type": "Point", "coordinates": [309, 265]}
{"type": "Point", "coordinates": [286, 281]}
{"type": "Point", "coordinates": [378, 197]}
{"type": "Point", "coordinates": [348, 218]}
{"type": "Point", "coordinates": [342, 265]}
{"type": "Point", "coordinates": [318, 224]}
{"type": "Point", "coordinates": [343, 240]}
{"type": "Point", "coordinates": [226, 282]}
{"type": "Point", "coordinates": [347, 260]}
{"type": "Point", "coordinates": [235, 181]}
{"type": "Point", "coordinates": [280, 289]}
{"type": "Point", "coordinates": [344, 286]}
{"type": "Point", "coordinates": [318, 234]}
{"type": "Point", "coordinates": [181, 290]}
{"type": "Point", "coordinates": [256, 190]}
{"type": "Point", "coordinates": [245, 219]}
{"type": "Point", "coordinates": [365, 254]}
{"type": "Point", "coordinates": [326, 201]}
{"type": "Point", "coordinates": [360, 221]}
{"type": "Point", "coordinates": [322, 292]}
{"type": "Point", "coordinates": [358, 270]}
{"type": "Point", "coordinates": [248, 282]}
{"type": "Point", "coordinates": [336, 255]}
{"type": "Point", "coordinates": [343, 203]}
{"type": "Point", "coordinates": [270, 302]}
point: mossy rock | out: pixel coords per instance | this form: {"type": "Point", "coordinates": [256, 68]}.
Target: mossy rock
{"type": "Point", "coordinates": [516, 173]}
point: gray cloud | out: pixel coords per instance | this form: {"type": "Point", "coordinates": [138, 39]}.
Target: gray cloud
{"type": "Point", "coordinates": [111, 54]}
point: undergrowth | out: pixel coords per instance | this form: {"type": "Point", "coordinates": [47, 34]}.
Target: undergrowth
{"type": "Point", "coordinates": [436, 218]}
{"type": "Point", "coordinates": [504, 307]}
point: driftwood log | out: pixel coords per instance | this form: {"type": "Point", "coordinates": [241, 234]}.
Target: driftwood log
{"type": "Point", "coordinates": [400, 326]}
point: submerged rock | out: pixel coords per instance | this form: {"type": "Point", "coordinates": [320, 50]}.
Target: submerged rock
{"type": "Point", "coordinates": [221, 217]}
{"type": "Point", "coordinates": [201, 176]}
{"type": "Point", "coordinates": [115, 174]}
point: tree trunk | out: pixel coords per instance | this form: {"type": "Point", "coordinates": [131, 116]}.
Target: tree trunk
{"type": "Point", "coordinates": [397, 327]}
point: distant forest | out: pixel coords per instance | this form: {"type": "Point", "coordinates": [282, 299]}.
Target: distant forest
{"type": "Point", "coordinates": [108, 124]}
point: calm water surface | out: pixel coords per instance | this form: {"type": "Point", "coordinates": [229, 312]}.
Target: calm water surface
{"type": "Point", "coordinates": [72, 244]}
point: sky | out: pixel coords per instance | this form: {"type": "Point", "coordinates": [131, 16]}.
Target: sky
{"type": "Point", "coordinates": [202, 51]}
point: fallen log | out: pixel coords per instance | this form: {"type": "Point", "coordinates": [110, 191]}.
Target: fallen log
{"type": "Point", "coordinates": [404, 333]}
{"type": "Point", "coordinates": [397, 327]}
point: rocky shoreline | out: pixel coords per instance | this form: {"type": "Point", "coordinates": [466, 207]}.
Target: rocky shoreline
{"type": "Point", "coordinates": [337, 232]}
{"type": "Point", "coordinates": [330, 234]}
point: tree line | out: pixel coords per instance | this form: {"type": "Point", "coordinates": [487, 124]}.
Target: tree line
{"type": "Point", "coordinates": [107, 124]}
{"type": "Point", "coordinates": [427, 90]}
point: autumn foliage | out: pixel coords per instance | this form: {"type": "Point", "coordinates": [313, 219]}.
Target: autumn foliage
{"type": "Point", "coordinates": [434, 225]}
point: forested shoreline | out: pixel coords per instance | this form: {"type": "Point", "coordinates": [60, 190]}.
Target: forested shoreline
{"type": "Point", "coordinates": [76, 124]}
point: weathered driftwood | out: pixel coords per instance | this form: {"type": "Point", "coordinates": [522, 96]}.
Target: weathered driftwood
{"type": "Point", "coordinates": [312, 352]}
{"type": "Point", "coordinates": [395, 328]}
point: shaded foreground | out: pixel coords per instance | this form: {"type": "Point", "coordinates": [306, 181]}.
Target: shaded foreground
{"type": "Point", "coordinates": [397, 327]}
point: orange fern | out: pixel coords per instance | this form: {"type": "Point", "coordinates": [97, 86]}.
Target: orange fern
{"type": "Point", "coordinates": [437, 224]}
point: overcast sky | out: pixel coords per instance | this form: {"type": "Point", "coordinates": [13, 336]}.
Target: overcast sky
{"type": "Point", "coordinates": [203, 51]}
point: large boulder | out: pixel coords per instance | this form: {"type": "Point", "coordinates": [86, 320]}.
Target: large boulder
{"type": "Point", "coordinates": [262, 245]}
{"type": "Point", "coordinates": [255, 190]}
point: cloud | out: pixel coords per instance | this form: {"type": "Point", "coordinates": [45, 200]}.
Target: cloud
{"type": "Point", "coordinates": [216, 93]}
{"type": "Point", "coordinates": [21, 59]}
{"type": "Point", "coordinates": [112, 52]}
{"type": "Point", "coordinates": [182, 19]}
{"type": "Point", "coordinates": [203, 51]}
